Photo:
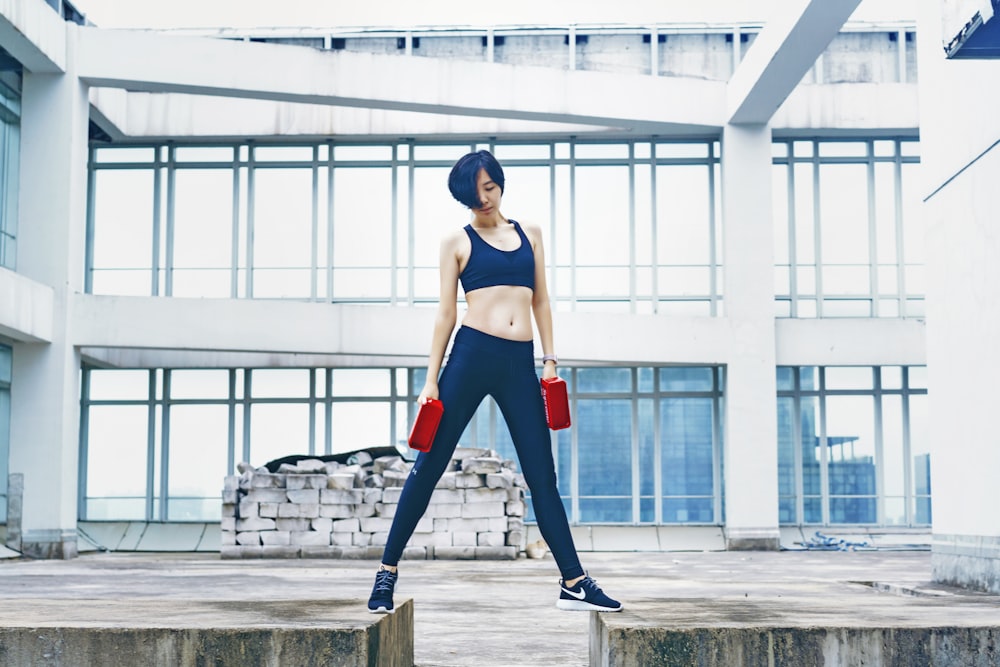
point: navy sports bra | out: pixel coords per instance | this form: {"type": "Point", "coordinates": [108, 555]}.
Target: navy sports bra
{"type": "Point", "coordinates": [489, 266]}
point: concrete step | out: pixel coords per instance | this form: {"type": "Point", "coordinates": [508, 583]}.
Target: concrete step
{"type": "Point", "coordinates": [782, 632]}
{"type": "Point", "coordinates": [182, 633]}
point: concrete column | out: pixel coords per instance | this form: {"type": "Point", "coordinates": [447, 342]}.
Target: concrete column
{"type": "Point", "coordinates": [960, 164]}
{"type": "Point", "coordinates": [45, 401]}
{"type": "Point", "coordinates": [751, 429]}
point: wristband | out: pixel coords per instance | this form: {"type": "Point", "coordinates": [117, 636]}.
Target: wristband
{"type": "Point", "coordinates": [551, 357]}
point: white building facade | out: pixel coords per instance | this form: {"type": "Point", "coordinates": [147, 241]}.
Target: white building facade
{"type": "Point", "coordinates": [220, 245]}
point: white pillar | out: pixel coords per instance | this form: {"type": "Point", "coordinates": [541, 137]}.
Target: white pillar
{"type": "Point", "coordinates": [751, 431]}
{"type": "Point", "coordinates": [45, 401]}
{"type": "Point", "coordinates": [960, 163]}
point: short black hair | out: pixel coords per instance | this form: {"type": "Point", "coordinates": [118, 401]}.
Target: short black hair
{"type": "Point", "coordinates": [462, 180]}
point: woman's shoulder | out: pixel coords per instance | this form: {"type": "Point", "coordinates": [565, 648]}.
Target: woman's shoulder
{"type": "Point", "coordinates": [532, 230]}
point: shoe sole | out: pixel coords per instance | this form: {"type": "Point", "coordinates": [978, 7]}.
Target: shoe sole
{"type": "Point", "coordinates": [580, 605]}
{"type": "Point", "coordinates": [381, 610]}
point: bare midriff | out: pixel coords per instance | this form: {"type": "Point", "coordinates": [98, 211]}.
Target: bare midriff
{"type": "Point", "coordinates": [503, 311]}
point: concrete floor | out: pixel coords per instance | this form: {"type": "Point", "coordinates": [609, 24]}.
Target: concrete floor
{"type": "Point", "coordinates": [496, 613]}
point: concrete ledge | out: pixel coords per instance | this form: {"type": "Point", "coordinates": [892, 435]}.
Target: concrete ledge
{"type": "Point", "coordinates": [792, 633]}
{"type": "Point", "coordinates": [179, 633]}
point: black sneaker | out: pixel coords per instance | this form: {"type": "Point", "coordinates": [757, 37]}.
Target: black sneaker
{"type": "Point", "coordinates": [380, 601]}
{"type": "Point", "coordinates": [586, 595]}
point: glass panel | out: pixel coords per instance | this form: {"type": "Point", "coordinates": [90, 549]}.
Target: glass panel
{"type": "Point", "coordinates": [117, 446]}
{"type": "Point", "coordinates": [785, 378]}
{"type": "Point", "coordinates": [280, 383]}
{"type": "Point", "coordinates": [811, 457]}
{"type": "Point", "coordinates": [123, 219]}
{"type": "Point", "coordinates": [362, 218]}
{"type": "Point", "coordinates": [779, 211]}
{"type": "Point", "coordinates": [885, 212]}
{"type": "Point", "coordinates": [892, 377]}
{"type": "Point", "coordinates": [647, 446]}
{"type": "Point", "coordinates": [686, 378]}
{"type": "Point", "coordinates": [282, 234]}
{"type": "Point", "coordinates": [682, 214]}
{"type": "Point", "coordinates": [843, 149]}
{"type": "Point", "coordinates": [449, 153]}
{"type": "Point", "coordinates": [917, 377]}
{"type": "Point", "coordinates": [527, 196]}
{"type": "Point", "coordinates": [913, 220]}
{"type": "Point", "coordinates": [352, 153]}
{"type": "Point", "coordinates": [119, 385]}
{"type": "Point", "coordinates": [686, 441]}
{"type": "Point", "coordinates": [203, 154]}
{"type": "Point", "coordinates": [603, 380]}
{"type": "Point", "coordinates": [682, 150]}
{"type": "Point", "coordinates": [283, 153]}
{"type": "Point", "coordinates": [805, 235]}
{"type": "Point", "coordinates": [851, 445]}
{"type": "Point", "coordinates": [848, 377]}
{"type": "Point", "coordinates": [357, 425]}
{"type": "Point", "coordinates": [203, 229]}
{"type": "Point", "coordinates": [199, 442]}
{"type": "Point", "coordinates": [894, 460]}
{"type": "Point", "coordinates": [204, 384]}
{"type": "Point", "coordinates": [277, 430]}
{"type": "Point", "coordinates": [120, 155]}
{"type": "Point", "coordinates": [435, 214]}
{"type": "Point", "coordinates": [602, 203]}
{"type": "Point", "coordinates": [609, 151]}
{"type": "Point", "coordinates": [521, 152]}
{"type": "Point", "coordinates": [786, 459]}
{"type": "Point", "coordinates": [844, 213]}
{"type": "Point", "coordinates": [604, 438]}
{"type": "Point", "coordinates": [361, 382]}
{"type": "Point", "coordinates": [920, 456]}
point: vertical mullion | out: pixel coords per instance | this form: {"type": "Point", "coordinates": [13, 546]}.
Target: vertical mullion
{"type": "Point", "coordinates": [411, 223]}
{"type": "Point", "coordinates": [793, 261]}
{"type": "Point", "coordinates": [251, 178]}
{"type": "Point", "coordinates": [717, 445]}
{"type": "Point", "coordinates": [165, 447]}
{"type": "Point", "coordinates": [314, 225]}
{"type": "Point", "coordinates": [574, 457]}
{"type": "Point", "coordinates": [83, 465]}
{"type": "Point", "coordinates": [231, 440]}
{"type": "Point", "coordinates": [168, 278]}
{"type": "Point", "coordinates": [712, 240]}
{"type": "Point", "coordinates": [880, 471]}
{"type": "Point", "coordinates": [636, 481]}
{"type": "Point", "coordinates": [247, 404]}
{"type": "Point", "coordinates": [331, 222]}
{"type": "Point", "coordinates": [797, 460]}
{"type": "Point", "coordinates": [631, 230]}
{"type": "Point", "coordinates": [150, 443]}
{"type": "Point", "coordinates": [817, 224]}
{"type": "Point", "coordinates": [898, 200]}
{"type": "Point", "coordinates": [234, 275]}
{"type": "Point", "coordinates": [328, 412]}
{"type": "Point", "coordinates": [654, 240]}
{"type": "Point", "coordinates": [155, 250]}
{"type": "Point", "coordinates": [553, 254]}
{"type": "Point", "coordinates": [909, 493]}
{"type": "Point", "coordinates": [572, 224]}
{"type": "Point", "coordinates": [394, 223]}
{"type": "Point", "coordinates": [657, 451]}
{"type": "Point", "coordinates": [824, 473]}
{"type": "Point", "coordinates": [873, 310]}
{"type": "Point", "coordinates": [312, 411]}
{"type": "Point", "coordinates": [88, 274]}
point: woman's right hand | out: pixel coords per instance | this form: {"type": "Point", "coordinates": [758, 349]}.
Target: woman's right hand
{"type": "Point", "coordinates": [429, 391]}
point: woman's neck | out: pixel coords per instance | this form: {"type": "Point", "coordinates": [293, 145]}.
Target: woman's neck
{"type": "Point", "coordinates": [494, 219]}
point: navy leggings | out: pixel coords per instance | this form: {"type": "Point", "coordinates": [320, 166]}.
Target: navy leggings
{"type": "Point", "coordinates": [481, 364]}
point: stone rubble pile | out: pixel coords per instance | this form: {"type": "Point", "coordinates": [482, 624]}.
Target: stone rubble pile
{"type": "Point", "coordinates": [317, 509]}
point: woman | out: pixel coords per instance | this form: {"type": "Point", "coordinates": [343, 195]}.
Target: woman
{"type": "Point", "coordinates": [501, 266]}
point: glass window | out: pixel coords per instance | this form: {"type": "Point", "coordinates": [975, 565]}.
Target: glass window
{"type": "Point", "coordinates": [199, 384]}
{"type": "Point", "coordinates": [203, 233]}
{"type": "Point", "coordinates": [602, 204]}
{"type": "Point", "coordinates": [605, 465]}
{"type": "Point", "coordinates": [603, 380]}
{"type": "Point", "coordinates": [687, 460]}
{"type": "Point", "coordinates": [119, 385]}
{"type": "Point", "coordinates": [280, 383]}
{"type": "Point", "coordinates": [117, 450]}
{"type": "Point", "coordinates": [199, 445]}
{"type": "Point", "coordinates": [123, 231]}
{"type": "Point", "coordinates": [277, 430]}
{"type": "Point", "coordinates": [362, 382]}
{"type": "Point", "coordinates": [682, 379]}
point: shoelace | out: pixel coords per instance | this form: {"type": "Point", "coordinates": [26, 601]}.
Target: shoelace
{"type": "Point", "coordinates": [384, 581]}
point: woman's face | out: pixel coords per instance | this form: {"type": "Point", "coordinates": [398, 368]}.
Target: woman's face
{"type": "Point", "coordinates": [489, 194]}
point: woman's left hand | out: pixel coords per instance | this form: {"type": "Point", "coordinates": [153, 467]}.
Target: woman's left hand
{"type": "Point", "coordinates": [549, 371]}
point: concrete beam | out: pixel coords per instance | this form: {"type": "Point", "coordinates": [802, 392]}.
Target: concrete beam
{"type": "Point", "coordinates": [124, 114]}
{"type": "Point", "coordinates": [152, 62]}
{"type": "Point", "coordinates": [26, 308]}
{"type": "Point", "coordinates": [34, 34]}
{"type": "Point", "coordinates": [781, 55]}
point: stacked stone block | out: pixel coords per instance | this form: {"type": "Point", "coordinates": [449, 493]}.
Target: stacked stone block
{"type": "Point", "coordinates": [317, 509]}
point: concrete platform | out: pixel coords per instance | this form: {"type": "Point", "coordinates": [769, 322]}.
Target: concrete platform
{"type": "Point", "coordinates": [502, 613]}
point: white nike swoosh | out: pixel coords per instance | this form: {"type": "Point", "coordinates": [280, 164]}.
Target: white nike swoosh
{"type": "Point", "coordinates": [578, 596]}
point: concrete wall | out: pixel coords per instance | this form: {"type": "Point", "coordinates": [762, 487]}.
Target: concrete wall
{"type": "Point", "coordinates": [961, 164]}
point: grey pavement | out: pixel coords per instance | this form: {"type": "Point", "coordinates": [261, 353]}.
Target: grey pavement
{"type": "Point", "coordinates": [488, 613]}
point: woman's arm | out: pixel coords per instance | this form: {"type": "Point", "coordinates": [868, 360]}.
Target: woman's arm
{"type": "Point", "coordinates": [447, 314]}
{"type": "Point", "coordinates": [540, 300]}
